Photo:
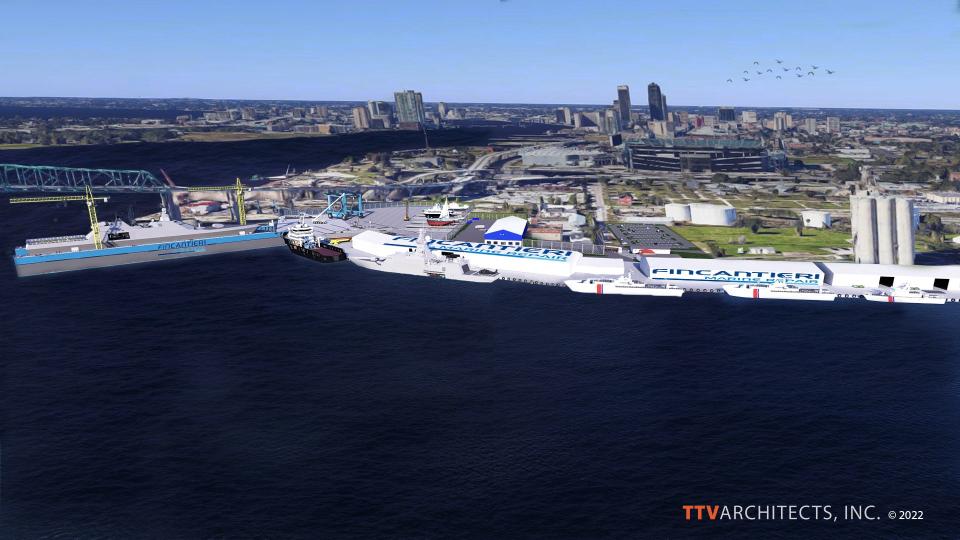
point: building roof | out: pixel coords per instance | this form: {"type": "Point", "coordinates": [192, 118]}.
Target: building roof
{"type": "Point", "coordinates": [683, 142]}
{"type": "Point", "coordinates": [559, 151]}
{"type": "Point", "coordinates": [508, 228]}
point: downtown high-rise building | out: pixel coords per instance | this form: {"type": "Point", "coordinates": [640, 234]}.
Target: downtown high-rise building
{"type": "Point", "coordinates": [623, 104]}
{"type": "Point", "coordinates": [361, 118]}
{"type": "Point", "coordinates": [810, 125]}
{"type": "Point", "coordinates": [409, 107]}
{"type": "Point", "coordinates": [833, 124]}
{"type": "Point", "coordinates": [442, 110]}
{"type": "Point", "coordinates": [657, 103]}
{"type": "Point", "coordinates": [727, 114]}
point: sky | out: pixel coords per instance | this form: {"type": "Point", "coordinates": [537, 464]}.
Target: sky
{"type": "Point", "coordinates": [886, 54]}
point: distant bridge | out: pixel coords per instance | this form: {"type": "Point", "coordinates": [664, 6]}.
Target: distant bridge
{"type": "Point", "coordinates": [42, 178]}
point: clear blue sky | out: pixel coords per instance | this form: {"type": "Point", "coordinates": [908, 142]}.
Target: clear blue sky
{"type": "Point", "coordinates": [903, 54]}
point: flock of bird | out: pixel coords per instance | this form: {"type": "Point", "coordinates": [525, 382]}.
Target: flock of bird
{"type": "Point", "coordinates": [811, 72]}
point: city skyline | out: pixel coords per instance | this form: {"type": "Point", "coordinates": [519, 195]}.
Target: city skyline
{"type": "Point", "coordinates": [186, 51]}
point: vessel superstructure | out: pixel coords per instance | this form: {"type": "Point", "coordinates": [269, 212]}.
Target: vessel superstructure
{"type": "Point", "coordinates": [301, 240]}
{"type": "Point", "coordinates": [907, 295]}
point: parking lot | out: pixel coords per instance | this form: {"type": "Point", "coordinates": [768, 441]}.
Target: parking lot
{"type": "Point", "coordinates": [639, 235]}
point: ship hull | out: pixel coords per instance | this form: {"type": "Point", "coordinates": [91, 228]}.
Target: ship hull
{"type": "Point", "coordinates": [32, 265]}
{"type": "Point", "coordinates": [324, 253]}
{"type": "Point", "coordinates": [903, 299]}
{"type": "Point", "coordinates": [440, 222]}
{"type": "Point", "coordinates": [611, 288]}
{"type": "Point", "coordinates": [762, 293]}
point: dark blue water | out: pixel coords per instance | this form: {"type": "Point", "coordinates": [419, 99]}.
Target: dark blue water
{"type": "Point", "coordinates": [260, 395]}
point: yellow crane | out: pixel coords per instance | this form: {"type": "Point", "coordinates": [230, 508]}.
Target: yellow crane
{"type": "Point", "coordinates": [91, 209]}
{"type": "Point", "coordinates": [238, 188]}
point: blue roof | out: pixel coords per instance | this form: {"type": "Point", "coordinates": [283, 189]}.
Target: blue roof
{"type": "Point", "coordinates": [508, 228]}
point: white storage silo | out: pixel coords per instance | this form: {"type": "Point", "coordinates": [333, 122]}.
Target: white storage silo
{"type": "Point", "coordinates": [712, 214]}
{"type": "Point", "coordinates": [905, 231]}
{"type": "Point", "coordinates": [886, 230]}
{"type": "Point", "coordinates": [677, 211]}
{"type": "Point", "coordinates": [865, 241]}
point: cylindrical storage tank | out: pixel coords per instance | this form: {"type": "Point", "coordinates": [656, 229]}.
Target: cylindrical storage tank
{"type": "Point", "coordinates": [815, 219]}
{"type": "Point", "coordinates": [905, 231]}
{"type": "Point", "coordinates": [886, 230]}
{"type": "Point", "coordinates": [677, 211]}
{"type": "Point", "coordinates": [712, 214]}
{"type": "Point", "coordinates": [865, 247]}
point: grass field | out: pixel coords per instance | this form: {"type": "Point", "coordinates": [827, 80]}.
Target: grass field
{"type": "Point", "coordinates": [783, 240]}
{"type": "Point", "coordinates": [222, 136]}
{"type": "Point", "coordinates": [19, 146]}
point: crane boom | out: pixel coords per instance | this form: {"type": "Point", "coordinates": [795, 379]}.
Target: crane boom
{"type": "Point", "coordinates": [238, 188]}
{"type": "Point", "coordinates": [91, 209]}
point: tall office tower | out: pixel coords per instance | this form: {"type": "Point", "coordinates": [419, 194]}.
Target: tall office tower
{"type": "Point", "coordinates": [567, 116]}
{"type": "Point", "coordinates": [727, 114]}
{"type": "Point", "coordinates": [882, 229]}
{"type": "Point", "coordinates": [561, 117]}
{"type": "Point", "coordinates": [833, 124]}
{"type": "Point", "coordinates": [442, 109]}
{"type": "Point", "coordinates": [656, 103]}
{"type": "Point", "coordinates": [663, 106]}
{"type": "Point", "coordinates": [361, 118]}
{"type": "Point", "coordinates": [379, 108]}
{"type": "Point", "coordinates": [780, 121]}
{"type": "Point", "coordinates": [748, 117]}
{"type": "Point", "coordinates": [788, 120]}
{"type": "Point", "coordinates": [611, 121]}
{"type": "Point", "coordinates": [623, 101]}
{"type": "Point", "coordinates": [409, 107]}
{"type": "Point", "coordinates": [810, 125]}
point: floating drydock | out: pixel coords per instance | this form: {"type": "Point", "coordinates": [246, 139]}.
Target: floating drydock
{"type": "Point", "coordinates": [123, 243]}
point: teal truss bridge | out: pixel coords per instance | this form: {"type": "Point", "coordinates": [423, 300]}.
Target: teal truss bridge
{"type": "Point", "coordinates": [41, 178]}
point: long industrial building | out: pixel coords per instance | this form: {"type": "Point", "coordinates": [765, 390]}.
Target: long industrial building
{"type": "Point", "coordinates": [701, 155]}
{"type": "Point", "coordinates": [851, 275]}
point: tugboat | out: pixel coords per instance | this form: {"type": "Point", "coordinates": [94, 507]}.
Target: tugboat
{"type": "Point", "coordinates": [301, 241]}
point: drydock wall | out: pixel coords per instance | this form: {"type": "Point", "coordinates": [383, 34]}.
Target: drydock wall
{"type": "Point", "coordinates": [730, 271]}
{"type": "Point", "coordinates": [553, 262]}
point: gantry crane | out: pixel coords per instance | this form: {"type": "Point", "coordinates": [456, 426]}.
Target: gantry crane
{"type": "Point", "coordinates": [238, 188]}
{"type": "Point", "coordinates": [91, 209]}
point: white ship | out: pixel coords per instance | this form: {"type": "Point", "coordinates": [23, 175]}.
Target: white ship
{"type": "Point", "coordinates": [778, 291]}
{"type": "Point", "coordinates": [442, 215]}
{"type": "Point", "coordinates": [420, 261]}
{"type": "Point", "coordinates": [907, 295]}
{"type": "Point", "coordinates": [622, 285]}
